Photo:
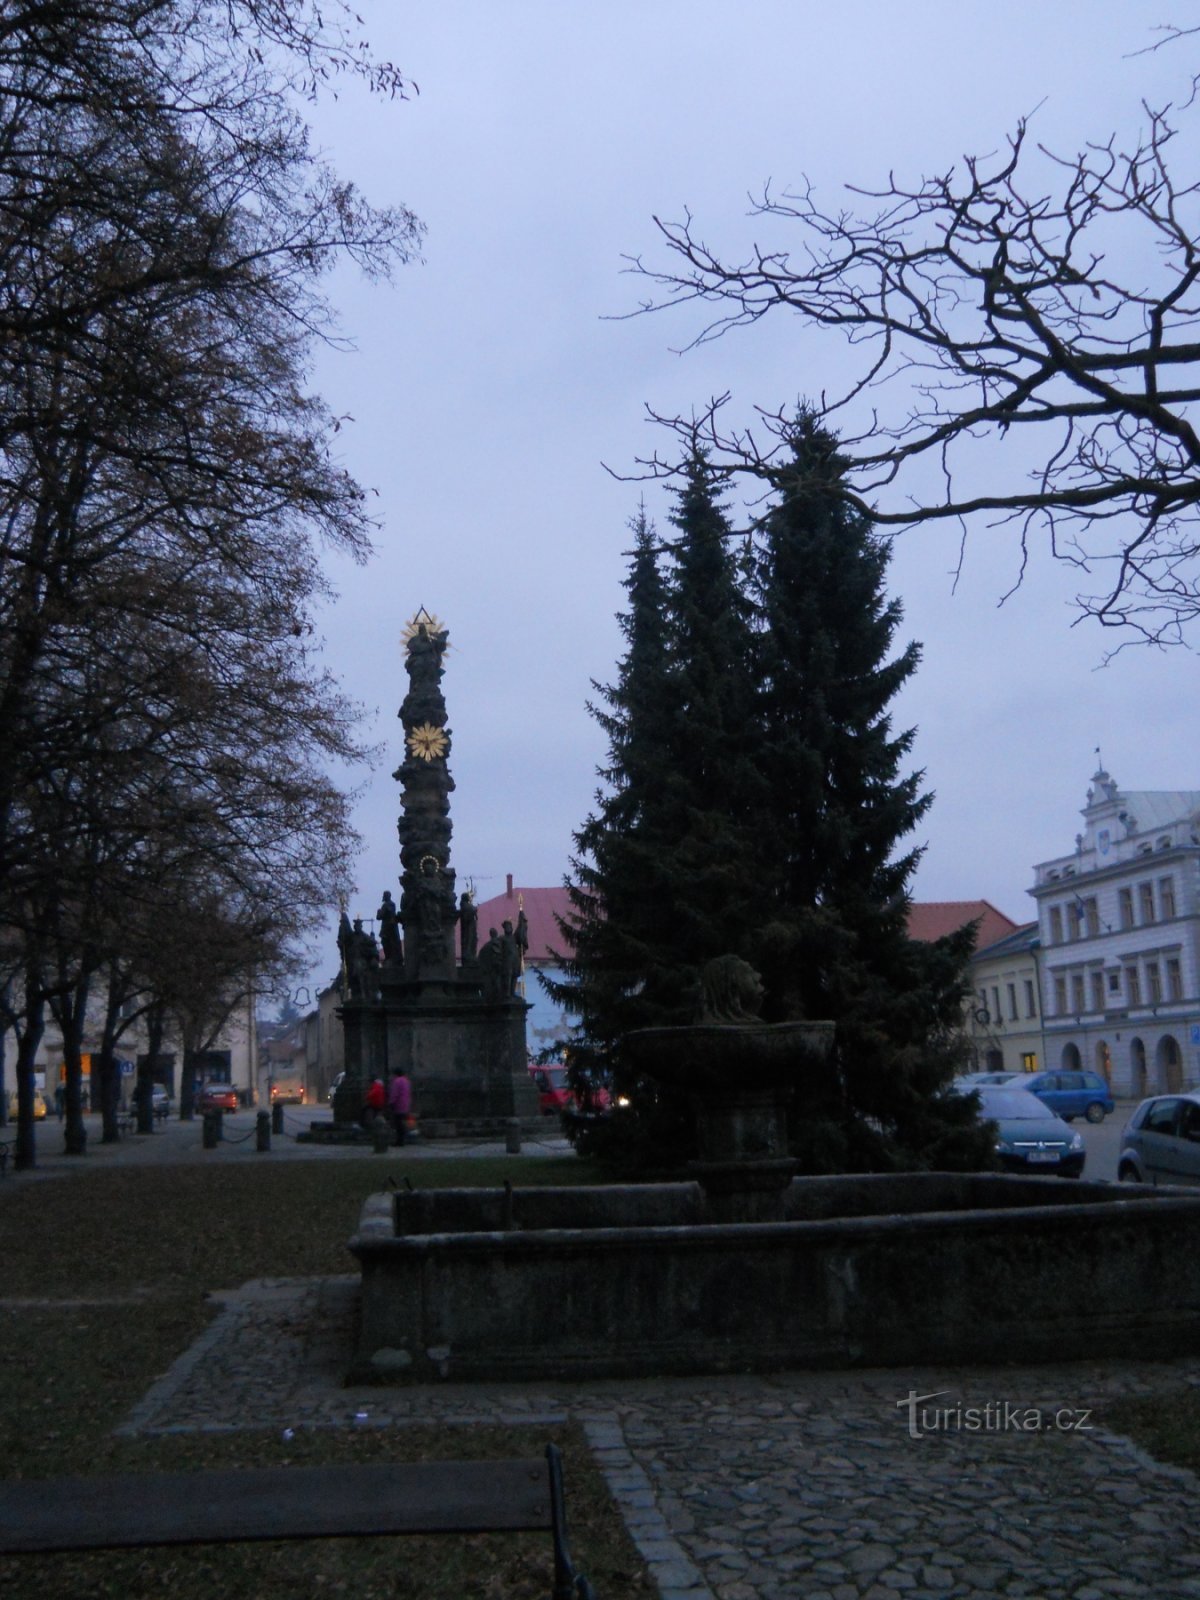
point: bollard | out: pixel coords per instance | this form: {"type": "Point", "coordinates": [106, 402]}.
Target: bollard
{"type": "Point", "coordinates": [277, 1117]}
{"type": "Point", "coordinates": [263, 1131]}
{"type": "Point", "coordinates": [512, 1137]}
{"type": "Point", "coordinates": [381, 1134]}
{"type": "Point", "coordinates": [212, 1129]}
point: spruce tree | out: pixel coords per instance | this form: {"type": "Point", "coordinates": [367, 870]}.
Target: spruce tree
{"type": "Point", "coordinates": [620, 918]}
{"type": "Point", "coordinates": [836, 835]}
{"type": "Point", "coordinates": [661, 878]}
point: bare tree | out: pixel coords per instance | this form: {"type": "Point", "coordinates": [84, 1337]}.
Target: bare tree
{"type": "Point", "coordinates": [1050, 303]}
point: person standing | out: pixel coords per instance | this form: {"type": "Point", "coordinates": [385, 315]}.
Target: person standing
{"type": "Point", "coordinates": [375, 1102]}
{"type": "Point", "coordinates": [400, 1102]}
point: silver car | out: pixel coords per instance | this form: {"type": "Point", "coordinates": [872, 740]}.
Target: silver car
{"type": "Point", "coordinates": [1161, 1143]}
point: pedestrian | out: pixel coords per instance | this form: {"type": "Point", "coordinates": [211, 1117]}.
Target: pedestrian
{"type": "Point", "coordinates": [375, 1102]}
{"type": "Point", "coordinates": [60, 1101]}
{"type": "Point", "coordinates": [400, 1101]}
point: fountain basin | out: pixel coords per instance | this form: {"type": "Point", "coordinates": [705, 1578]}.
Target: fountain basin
{"type": "Point", "coordinates": [868, 1271]}
{"type": "Point", "coordinates": [725, 1057]}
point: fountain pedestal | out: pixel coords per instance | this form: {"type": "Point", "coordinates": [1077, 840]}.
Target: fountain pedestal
{"type": "Point", "coordinates": [743, 1165]}
{"type": "Point", "coordinates": [736, 1076]}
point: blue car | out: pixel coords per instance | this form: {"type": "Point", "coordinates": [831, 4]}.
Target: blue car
{"type": "Point", "coordinates": [1068, 1094]}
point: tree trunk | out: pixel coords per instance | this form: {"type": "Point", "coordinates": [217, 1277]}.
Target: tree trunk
{"type": "Point", "coordinates": [30, 1036]}
{"type": "Point", "coordinates": [104, 1068]}
{"type": "Point", "coordinates": [146, 1066]}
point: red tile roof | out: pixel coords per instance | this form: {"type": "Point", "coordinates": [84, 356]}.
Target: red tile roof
{"type": "Point", "coordinates": [927, 919]}
{"type": "Point", "coordinates": [933, 919]}
{"type": "Point", "coordinates": [540, 907]}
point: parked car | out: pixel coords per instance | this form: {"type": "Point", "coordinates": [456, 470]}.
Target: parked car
{"type": "Point", "coordinates": [39, 1105]}
{"type": "Point", "coordinates": [287, 1094]}
{"type": "Point", "coordinates": [160, 1102]}
{"type": "Point", "coordinates": [1070, 1094]}
{"type": "Point", "coordinates": [1161, 1142]}
{"type": "Point", "coordinates": [557, 1094]}
{"type": "Point", "coordinates": [554, 1092]}
{"type": "Point", "coordinates": [973, 1080]}
{"type": "Point", "coordinates": [335, 1086]}
{"type": "Point", "coordinates": [1029, 1137]}
{"type": "Point", "coordinates": [217, 1097]}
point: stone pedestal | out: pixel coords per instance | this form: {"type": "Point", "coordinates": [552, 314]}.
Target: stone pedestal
{"type": "Point", "coordinates": [466, 1058]}
{"type": "Point", "coordinates": [743, 1166]}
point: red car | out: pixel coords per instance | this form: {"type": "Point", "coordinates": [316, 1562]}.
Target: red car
{"type": "Point", "coordinates": [217, 1097]}
{"type": "Point", "coordinates": [555, 1094]}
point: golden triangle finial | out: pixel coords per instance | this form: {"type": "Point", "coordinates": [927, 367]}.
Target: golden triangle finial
{"type": "Point", "coordinates": [423, 619]}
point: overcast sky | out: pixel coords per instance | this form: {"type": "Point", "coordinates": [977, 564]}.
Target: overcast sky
{"type": "Point", "coordinates": [492, 383]}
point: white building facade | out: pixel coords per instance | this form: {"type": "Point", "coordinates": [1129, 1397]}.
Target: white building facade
{"type": "Point", "coordinates": [1119, 936]}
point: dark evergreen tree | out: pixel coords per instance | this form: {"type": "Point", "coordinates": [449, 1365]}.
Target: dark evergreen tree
{"type": "Point", "coordinates": [619, 924]}
{"type": "Point", "coordinates": [662, 876]}
{"type": "Point", "coordinates": [754, 804]}
{"type": "Point", "coordinates": [838, 863]}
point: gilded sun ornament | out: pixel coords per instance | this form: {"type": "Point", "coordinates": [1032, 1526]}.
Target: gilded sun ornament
{"type": "Point", "coordinates": [427, 742]}
{"type": "Point", "coordinates": [425, 619]}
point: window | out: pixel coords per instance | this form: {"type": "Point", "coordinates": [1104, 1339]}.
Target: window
{"type": "Point", "coordinates": [1146, 902]}
{"type": "Point", "coordinates": [1166, 897]}
{"type": "Point", "coordinates": [1091, 917]}
{"type": "Point", "coordinates": [1153, 982]}
{"type": "Point", "coordinates": [1174, 979]}
{"type": "Point", "coordinates": [1030, 999]}
{"type": "Point", "coordinates": [1133, 988]}
{"type": "Point", "coordinates": [1114, 982]}
{"type": "Point", "coordinates": [1126, 906]}
{"type": "Point", "coordinates": [1077, 999]}
{"type": "Point", "coordinates": [1097, 991]}
{"type": "Point", "coordinates": [996, 1005]}
{"type": "Point", "coordinates": [983, 1000]}
{"type": "Point", "coordinates": [1056, 931]}
{"type": "Point", "coordinates": [1060, 997]}
{"type": "Point", "coordinates": [1029, 1061]}
{"type": "Point", "coordinates": [1161, 1116]}
{"type": "Point", "coordinates": [1012, 1001]}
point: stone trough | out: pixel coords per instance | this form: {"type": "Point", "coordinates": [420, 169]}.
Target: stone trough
{"type": "Point", "coordinates": [637, 1280]}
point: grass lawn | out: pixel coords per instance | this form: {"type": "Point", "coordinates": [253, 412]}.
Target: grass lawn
{"type": "Point", "coordinates": [105, 1279]}
{"type": "Point", "coordinates": [1166, 1425]}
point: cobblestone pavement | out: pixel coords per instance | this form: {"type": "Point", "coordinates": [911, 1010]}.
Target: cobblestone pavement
{"type": "Point", "coordinates": [826, 1486]}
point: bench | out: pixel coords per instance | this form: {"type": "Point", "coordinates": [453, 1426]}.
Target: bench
{"type": "Point", "coordinates": [143, 1509]}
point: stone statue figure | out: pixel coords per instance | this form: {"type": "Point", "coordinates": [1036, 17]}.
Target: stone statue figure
{"type": "Point", "coordinates": [730, 991]}
{"type": "Point", "coordinates": [468, 927]}
{"type": "Point", "coordinates": [521, 933]}
{"type": "Point", "coordinates": [389, 931]}
{"type": "Point", "coordinates": [510, 961]}
{"type": "Point", "coordinates": [491, 967]}
{"type": "Point", "coordinates": [429, 908]}
{"type": "Point", "coordinates": [360, 959]}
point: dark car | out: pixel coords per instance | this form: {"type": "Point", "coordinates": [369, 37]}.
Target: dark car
{"type": "Point", "coordinates": [1029, 1137]}
{"type": "Point", "coordinates": [217, 1097]}
{"type": "Point", "coordinates": [1161, 1142]}
{"type": "Point", "coordinates": [1070, 1094]}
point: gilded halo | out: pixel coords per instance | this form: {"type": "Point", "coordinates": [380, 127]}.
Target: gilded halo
{"type": "Point", "coordinates": [435, 625]}
{"type": "Point", "coordinates": [427, 742]}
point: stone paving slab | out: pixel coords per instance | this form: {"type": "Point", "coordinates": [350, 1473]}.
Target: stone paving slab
{"type": "Point", "coordinates": [908, 1485]}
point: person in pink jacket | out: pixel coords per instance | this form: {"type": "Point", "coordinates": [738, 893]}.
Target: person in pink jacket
{"type": "Point", "coordinates": [400, 1104]}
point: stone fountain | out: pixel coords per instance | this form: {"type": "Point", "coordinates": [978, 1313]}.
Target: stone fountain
{"type": "Point", "coordinates": [747, 1268]}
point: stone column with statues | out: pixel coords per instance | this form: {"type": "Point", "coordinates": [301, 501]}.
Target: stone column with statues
{"type": "Point", "coordinates": [428, 907]}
